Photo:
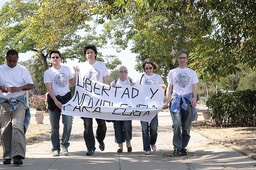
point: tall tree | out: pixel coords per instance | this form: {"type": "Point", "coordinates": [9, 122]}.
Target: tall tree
{"type": "Point", "coordinates": [43, 25]}
{"type": "Point", "coordinates": [219, 34]}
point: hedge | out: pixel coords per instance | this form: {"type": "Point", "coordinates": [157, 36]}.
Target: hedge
{"type": "Point", "coordinates": [233, 108]}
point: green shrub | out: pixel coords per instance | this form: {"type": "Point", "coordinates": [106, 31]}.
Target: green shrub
{"type": "Point", "coordinates": [234, 108]}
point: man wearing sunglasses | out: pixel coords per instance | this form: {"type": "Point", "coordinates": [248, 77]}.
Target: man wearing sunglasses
{"type": "Point", "coordinates": [57, 80]}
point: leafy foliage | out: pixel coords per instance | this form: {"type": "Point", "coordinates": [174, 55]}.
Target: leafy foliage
{"type": "Point", "coordinates": [44, 25]}
{"type": "Point", "coordinates": [219, 34]}
{"type": "Point", "coordinates": [233, 109]}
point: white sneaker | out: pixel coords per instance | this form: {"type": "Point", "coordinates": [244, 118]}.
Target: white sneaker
{"type": "Point", "coordinates": [64, 151]}
{"type": "Point", "coordinates": [55, 153]}
{"type": "Point", "coordinates": [153, 147]}
{"type": "Point", "coordinates": [147, 152]}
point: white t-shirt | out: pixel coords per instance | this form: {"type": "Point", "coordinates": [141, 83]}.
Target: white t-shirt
{"type": "Point", "coordinates": [150, 80]}
{"type": "Point", "coordinates": [59, 79]}
{"type": "Point", "coordinates": [182, 80]}
{"type": "Point", "coordinates": [14, 77]}
{"type": "Point", "coordinates": [99, 68]}
{"type": "Point", "coordinates": [121, 83]}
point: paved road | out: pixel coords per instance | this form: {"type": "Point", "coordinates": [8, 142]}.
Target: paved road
{"type": "Point", "coordinates": [202, 154]}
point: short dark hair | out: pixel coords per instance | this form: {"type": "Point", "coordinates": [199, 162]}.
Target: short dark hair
{"type": "Point", "coordinates": [149, 61]}
{"type": "Point", "coordinates": [54, 51]}
{"type": "Point", "coordinates": [12, 52]}
{"type": "Point", "coordinates": [181, 52]}
{"type": "Point", "coordinates": [92, 47]}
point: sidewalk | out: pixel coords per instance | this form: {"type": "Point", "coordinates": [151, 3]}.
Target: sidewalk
{"type": "Point", "coordinates": [202, 154]}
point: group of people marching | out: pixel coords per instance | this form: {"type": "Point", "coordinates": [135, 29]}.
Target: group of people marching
{"type": "Point", "coordinates": [181, 97]}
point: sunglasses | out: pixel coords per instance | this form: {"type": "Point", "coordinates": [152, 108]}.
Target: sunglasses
{"type": "Point", "coordinates": [55, 57]}
{"type": "Point", "coordinates": [148, 68]}
{"type": "Point", "coordinates": [123, 71]}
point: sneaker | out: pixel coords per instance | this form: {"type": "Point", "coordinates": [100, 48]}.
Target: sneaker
{"type": "Point", "coordinates": [102, 146]}
{"type": "Point", "coordinates": [64, 151]}
{"type": "Point", "coordinates": [90, 153]}
{"type": "Point", "coordinates": [17, 160]}
{"type": "Point", "coordinates": [147, 152]}
{"type": "Point", "coordinates": [55, 153]}
{"type": "Point", "coordinates": [183, 152]}
{"type": "Point", "coordinates": [177, 152]}
{"type": "Point", "coordinates": [7, 161]}
{"type": "Point", "coordinates": [153, 147]}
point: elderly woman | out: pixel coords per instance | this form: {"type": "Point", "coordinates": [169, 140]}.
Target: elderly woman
{"type": "Point", "coordinates": [123, 129]}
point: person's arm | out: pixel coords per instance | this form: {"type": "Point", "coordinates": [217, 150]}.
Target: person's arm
{"type": "Point", "coordinates": [105, 80]}
{"type": "Point", "coordinates": [163, 86]}
{"type": "Point", "coordinates": [21, 88]}
{"type": "Point", "coordinates": [4, 89]}
{"type": "Point", "coordinates": [168, 95]}
{"type": "Point", "coordinates": [72, 81]}
{"type": "Point", "coordinates": [51, 93]}
{"type": "Point", "coordinates": [194, 95]}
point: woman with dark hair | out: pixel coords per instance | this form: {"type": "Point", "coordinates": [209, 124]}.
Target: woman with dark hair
{"type": "Point", "coordinates": [149, 130]}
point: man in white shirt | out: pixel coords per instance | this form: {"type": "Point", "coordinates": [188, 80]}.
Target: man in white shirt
{"type": "Point", "coordinates": [182, 95]}
{"type": "Point", "coordinates": [57, 80]}
{"type": "Point", "coordinates": [14, 117]}
{"type": "Point", "coordinates": [98, 73]}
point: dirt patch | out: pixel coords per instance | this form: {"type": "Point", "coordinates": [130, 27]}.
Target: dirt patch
{"type": "Point", "coordinates": [241, 139]}
{"type": "Point", "coordinates": [35, 131]}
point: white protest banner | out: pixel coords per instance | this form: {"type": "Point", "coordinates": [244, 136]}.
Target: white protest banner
{"type": "Point", "coordinates": [96, 100]}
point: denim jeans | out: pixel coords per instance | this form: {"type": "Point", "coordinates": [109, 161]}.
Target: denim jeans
{"type": "Point", "coordinates": [149, 133]}
{"type": "Point", "coordinates": [55, 126]}
{"type": "Point", "coordinates": [123, 131]}
{"type": "Point", "coordinates": [181, 126]}
{"type": "Point", "coordinates": [88, 132]}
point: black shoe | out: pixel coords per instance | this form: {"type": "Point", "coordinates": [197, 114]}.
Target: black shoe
{"type": "Point", "coordinates": [90, 153]}
{"type": "Point", "coordinates": [119, 150]}
{"type": "Point", "coordinates": [17, 160]}
{"type": "Point", "coordinates": [7, 161]}
{"type": "Point", "coordinates": [102, 146]}
{"type": "Point", "coordinates": [129, 149]}
{"type": "Point", "coordinates": [177, 152]}
{"type": "Point", "coordinates": [183, 152]}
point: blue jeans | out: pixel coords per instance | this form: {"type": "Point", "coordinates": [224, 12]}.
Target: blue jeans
{"type": "Point", "coordinates": [181, 126]}
{"type": "Point", "coordinates": [54, 134]}
{"type": "Point", "coordinates": [123, 131]}
{"type": "Point", "coordinates": [88, 132]}
{"type": "Point", "coordinates": [149, 133]}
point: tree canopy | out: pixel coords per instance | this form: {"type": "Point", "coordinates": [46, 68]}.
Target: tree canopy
{"type": "Point", "coordinates": [219, 34]}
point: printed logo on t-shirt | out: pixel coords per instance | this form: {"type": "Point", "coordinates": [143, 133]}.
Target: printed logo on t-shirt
{"type": "Point", "coordinates": [61, 80]}
{"type": "Point", "coordinates": [98, 75]}
{"type": "Point", "coordinates": [149, 81]}
{"type": "Point", "coordinates": [182, 79]}
{"type": "Point", "coordinates": [90, 74]}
